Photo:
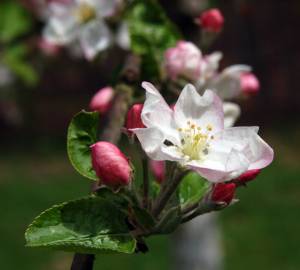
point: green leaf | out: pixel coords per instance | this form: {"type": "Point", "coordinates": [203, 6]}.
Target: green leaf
{"type": "Point", "coordinates": [14, 21]}
{"type": "Point", "coordinates": [192, 188]}
{"type": "Point", "coordinates": [82, 133]}
{"type": "Point", "coordinates": [151, 33]}
{"type": "Point", "coordinates": [88, 225]}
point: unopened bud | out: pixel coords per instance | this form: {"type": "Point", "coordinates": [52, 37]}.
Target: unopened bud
{"type": "Point", "coordinates": [183, 60]}
{"type": "Point", "coordinates": [102, 100]}
{"type": "Point", "coordinates": [158, 169]}
{"type": "Point", "coordinates": [247, 177]}
{"type": "Point", "coordinates": [223, 192]}
{"type": "Point", "coordinates": [249, 83]}
{"type": "Point", "coordinates": [133, 119]}
{"type": "Point", "coordinates": [111, 165]}
{"type": "Point", "coordinates": [47, 47]}
{"type": "Point", "coordinates": [211, 20]}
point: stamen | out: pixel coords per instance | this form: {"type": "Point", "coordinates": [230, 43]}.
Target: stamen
{"type": "Point", "coordinates": [209, 127]}
{"type": "Point", "coordinates": [85, 13]}
{"type": "Point", "coordinates": [194, 143]}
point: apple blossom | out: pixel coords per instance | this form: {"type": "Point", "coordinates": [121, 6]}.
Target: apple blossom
{"type": "Point", "coordinates": [194, 136]}
{"type": "Point", "coordinates": [110, 165]}
{"type": "Point", "coordinates": [211, 20]}
{"type": "Point", "coordinates": [249, 83]}
{"type": "Point", "coordinates": [102, 100]}
{"type": "Point", "coordinates": [223, 192]}
{"type": "Point", "coordinates": [183, 60]}
{"type": "Point", "coordinates": [80, 20]}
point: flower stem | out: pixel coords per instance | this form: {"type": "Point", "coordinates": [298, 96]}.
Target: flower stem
{"type": "Point", "coordinates": [166, 192]}
{"type": "Point", "coordinates": [205, 206]}
{"type": "Point", "coordinates": [145, 183]}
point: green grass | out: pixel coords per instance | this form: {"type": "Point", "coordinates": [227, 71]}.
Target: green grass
{"type": "Point", "coordinates": [259, 232]}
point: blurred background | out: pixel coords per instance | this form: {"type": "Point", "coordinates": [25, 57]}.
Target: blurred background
{"type": "Point", "coordinates": [38, 99]}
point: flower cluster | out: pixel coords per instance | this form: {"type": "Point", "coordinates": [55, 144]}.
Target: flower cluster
{"type": "Point", "coordinates": [84, 23]}
{"type": "Point", "coordinates": [181, 135]}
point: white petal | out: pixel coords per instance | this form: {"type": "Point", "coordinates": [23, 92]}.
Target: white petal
{"type": "Point", "coordinates": [232, 112]}
{"type": "Point", "coordinates": [246, 139]}
{"type": "Point", "coordinates": [231, 153]}
{"type": "Point", "coordinates": [61, 30]}
{"type": "Point", "coordinates": [227, 83]}
{"type": "Point", "coordinates": [157, 113]}
{"type": "Point", "coordinates": [203, 110]}
{"type": "Point", "coordinates": [94, 37]}
{"type": "Point", "coordinates": [105, 8]}
{"type": "Point", "coordinates": [152, 141]}
{"type": "Point", "coordinates": [122, 36]}
{"type": "Point", "coordinates": [221, 166]}
{"type": "Point", "coordinates": [212, 64]}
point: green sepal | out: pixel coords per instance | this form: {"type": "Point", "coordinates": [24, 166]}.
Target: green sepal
{"type": "Point", "coordinates": [87, 225]}
{"type": "Point", "coordinates": [82, 133]}
{"type": "Point", "coordinates": [192, 188]}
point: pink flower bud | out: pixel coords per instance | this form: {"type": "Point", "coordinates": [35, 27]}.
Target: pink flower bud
{"type": "Point", "coordinates": [223, 192]}
{"type": "Point", "coordinates": [158, 169]}
{"type": "Point", "coordinates": [212, 20]}
{"type": "Point", "coordinates": [48, 48]}
{"type": "Point", "coordinates": [183, 60]}
{"type": "Point", "coordinates": [249, 83]}
{"type": "Point", "coordinates": [102, 100]}
{"type": "Point", "coordinates": [247, 176]}
{"type": "Point", "coordinates": [133, 119]}
{"type": "Point", "coordinates": [110, 165]}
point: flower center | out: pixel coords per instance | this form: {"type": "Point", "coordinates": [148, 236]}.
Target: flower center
{"type": "Point", "coordinates": [85, 13]}
{"type": "Point", "coordinates": [195, 140]}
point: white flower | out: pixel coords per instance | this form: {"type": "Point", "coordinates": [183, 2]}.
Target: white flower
{"type": "Point", "coordinates": [83, 21]}
{"type": "Point", "coordinates": [186, 60]}
{"type": "Point", "coordinates": [193, 134]}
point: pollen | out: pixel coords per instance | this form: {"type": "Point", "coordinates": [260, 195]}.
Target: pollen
{"type": "Point", "coordinates": [194, 143]}
{"type": "Point", "coordinates": [85, 13]}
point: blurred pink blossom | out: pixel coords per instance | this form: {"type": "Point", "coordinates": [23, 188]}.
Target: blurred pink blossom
{"type": "Point", "coordinates": [102, 100]}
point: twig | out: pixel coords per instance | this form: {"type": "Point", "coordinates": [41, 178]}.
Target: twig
{"type": "Point", "coordinates": [83, 261]}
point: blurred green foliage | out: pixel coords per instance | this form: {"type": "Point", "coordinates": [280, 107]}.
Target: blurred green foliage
{"type": "Point", "coordinates": [15, 24]}
{"type": "Point", "coordinates": [151, 33]}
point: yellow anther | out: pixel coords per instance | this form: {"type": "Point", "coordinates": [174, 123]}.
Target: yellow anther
{"type": "Point", "coordinates": [193, 126]}
{"type": "Point", "coordinates": [209, 127]}
{"type": "Point", "coordinates": [86, 13]}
